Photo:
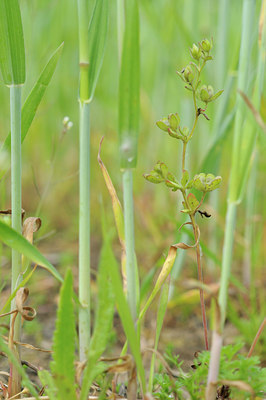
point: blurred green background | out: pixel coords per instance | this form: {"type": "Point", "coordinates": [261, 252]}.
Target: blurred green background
{"type": "Point", "coordinates": [50, 159]}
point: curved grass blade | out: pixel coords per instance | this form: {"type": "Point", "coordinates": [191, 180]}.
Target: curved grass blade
{"type": "Point", "coordinates": [12, 55]}
{"type": "Point", "coordinates": [17, 242]}
{"type": "Point", "coordinates": [34, 98]}
{"type": "Point", "coordinates": [129, 87]}
{"type": "Point", "coordinates": [96, 42]}
{"type": "Point", "coordinates": [64, 343]}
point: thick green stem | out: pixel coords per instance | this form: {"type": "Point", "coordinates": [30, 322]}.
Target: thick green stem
{"type": "Point", "coordinates": [84, 231]}
{"type": "Point", "coordinates": [227, 257]}
{"type": "Point", "coordinates": [130, 242]}
{"type": "Point", "coordinates": [84, 181]}
{"type": "Point", "coordinates": [15, 115]}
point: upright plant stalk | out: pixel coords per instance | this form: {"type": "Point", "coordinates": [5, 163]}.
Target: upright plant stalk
{"type": "Point", "coordinates": [235, 186]}
{"type": "Point", "coordinates": [241, 155]}
{"type": "Point", "coordinates": [15, 116]}
{"type": "Point", "coordinates": [130, 241]}
{"type": "Point", "coordinates": [221, 62]}
{"type": "Point", "coordinates": [92, 37]}
{"type": "Point", "coordinates": [84, 183]}
{"type": "Point", "coordinates": [12, 64]}
{"type": "Point", "coordinates": [129, 84]}
{"type": "Point", "coordinates": [202, 182]}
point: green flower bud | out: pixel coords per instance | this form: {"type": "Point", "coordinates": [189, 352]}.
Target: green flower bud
{"type": "Point", "coordinates": [174, 121]}
{"type": "Point", "coordinates": [206, 45]}
{"type": "Point", "coordinates": [206, 182]}
{"type": "Point", "coordinates": [163, 124]}
{"type": "Point", "coordinates": [206, 93]}
{"type": "Point", "coordinates": [188, 74]}
{"type": "Point", "coordinates": [195, 52]}
{"type": "Point", "coordinates": [184, 131]}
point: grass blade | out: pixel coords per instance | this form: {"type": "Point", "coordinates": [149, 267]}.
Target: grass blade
{"type": "Point", "coordinates": [17, 242]}
{"type": "Point", "coordinates": [12, 55]}
{"type": "Point", "coordinates": [125, 315]}
{"type": "Point", "coordinates": [160, 317]}
{"type": "Point", "coordinates": [129, 87]}
{"type": "Point", "coordinates": [33, 100]}
{"type": "Point", "coordinates": [64, 343]}
{"type": "Point", "coordinates": [96, 42]}
{"type": "Point", "coordinates": [103, 320]}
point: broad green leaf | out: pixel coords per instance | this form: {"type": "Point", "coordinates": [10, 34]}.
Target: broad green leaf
{"type": "Point", "coordinates": [33, 100]}
{"type": "Point", "coordinates": [64, 343]}
{"type": "Point", "coordinates": [12, 54]}
{"type": "Point", "coordinates": [125, 315]}
{"type": "Point", "coordinates": [25, 380]}
{"type": "Point", "coordinates": [17, 242]}
{"type": "Point", "coordinates": [129, 87]}
{"type": "Point", "coordinates": [103, 319]}
{"type": "Point", "coordinates": [96, 42]}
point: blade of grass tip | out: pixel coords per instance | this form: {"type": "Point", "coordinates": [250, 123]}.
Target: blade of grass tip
{"type": "Point", "coordinates": [12, 56]}
{"type": "Point", "coordinates": [91, 52]}
{"type": "Point", "coordinates": [33, 100]}
{"type": "Point", "coordinates": [17, 242]}
{"type": "Point", "coordinates": [62, 365]}
{"type": "Point", "coordinates": [160, 317]}
{"type": "Point", "coordinates": [129, 92]}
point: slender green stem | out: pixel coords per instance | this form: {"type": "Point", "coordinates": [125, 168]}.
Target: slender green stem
{"type": "Point", "coordinates": [84, 182]}
{"type": "Point", "coordinates": [130, 242]}
{"type": "Point", "coordinates": [15, 115]}
{"type": "Point", "coordinates": [227, 257]}
{"type": "Point", "coordinates": [184, 155]}
{"type": "Point", "coordinates": [84, 231]}
{"type": "Point", "coordinates": [200, 278]}
{"type": "Point", "coordinates": [200, 274]}
{"type": "Point", "coordinates": [15, 111]}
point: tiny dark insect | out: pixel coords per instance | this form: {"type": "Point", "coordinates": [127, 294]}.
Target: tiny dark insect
{"type": "Point", "coordinates": [204, 213]}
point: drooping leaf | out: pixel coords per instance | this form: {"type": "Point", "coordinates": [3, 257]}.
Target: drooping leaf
{"type": "Point", "coordinates": [96, 42]}
{"type": "Point", "coordinates": [17, 242]}
{"type": "Point", "coordinates": [129, 87]}
{"type": "Point", "coordinates": [64, 343]}
{"type": "Point", "coordinates": [34, 98]}
{"type": "Point", "coordinates": [12, 54]}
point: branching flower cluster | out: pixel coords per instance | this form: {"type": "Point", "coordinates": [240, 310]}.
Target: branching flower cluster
{"type": "Point", "coordinates": [171, 124]}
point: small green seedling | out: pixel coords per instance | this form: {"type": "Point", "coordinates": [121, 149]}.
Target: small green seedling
{"type": "Point", "coordinates": [204, 183]}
